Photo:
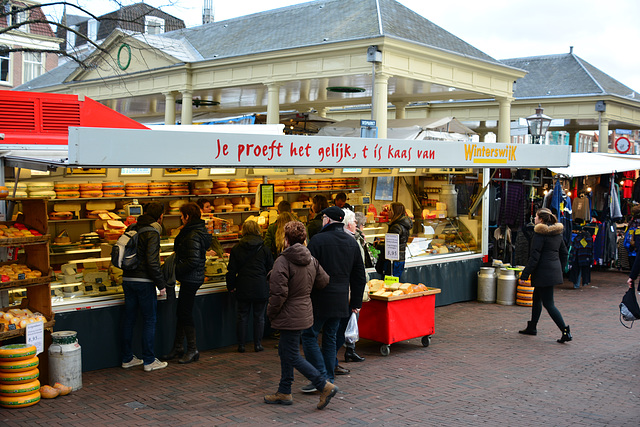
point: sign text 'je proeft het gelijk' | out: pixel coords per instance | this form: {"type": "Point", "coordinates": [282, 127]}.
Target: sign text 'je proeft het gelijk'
{"type": "Point", "coordinates": [334, 152]}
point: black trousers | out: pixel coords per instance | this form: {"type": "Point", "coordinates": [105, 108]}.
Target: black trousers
{"type": "Point", "coordinates": [543, 296]}
{"type": "Point", "coordinates": [242, 320]}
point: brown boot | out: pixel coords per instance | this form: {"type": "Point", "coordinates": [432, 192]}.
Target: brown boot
{"type": "Point", "coordinates": [328, 392]}
{"type": "Point", "coordinates": [281, 398]}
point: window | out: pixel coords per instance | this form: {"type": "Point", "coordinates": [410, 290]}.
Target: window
{"type": "Point", "coordinates": [4, 64]}
{"type": "Point", "coordinates": [71, 39]}
{"type": "Point", "coordinates": [92, 30]}
{"type": "Point", "coordinates": [153, 25]}
{"type": "Point", "coordinates": [33, 66]}
{"type": "Point", "coordinates": [17, 16]}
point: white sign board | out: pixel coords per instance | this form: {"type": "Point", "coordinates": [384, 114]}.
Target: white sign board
{"type": "Point", "coordinates": [392, 246]}
{"type": "Point", "coordinates": [35, 335]}
{"type": "Point", "coordinates": [102, 147]}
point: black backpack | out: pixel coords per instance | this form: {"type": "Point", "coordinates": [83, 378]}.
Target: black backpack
{"type": "Point", "coordinates": [629, 309]}
{"type": "Point", "coordinates": [124, 252]}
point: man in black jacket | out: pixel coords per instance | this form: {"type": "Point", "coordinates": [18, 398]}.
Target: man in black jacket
{"type": "Point", "coordinates": [139, 287]}
{"type": "Point", "coordinates": [339, 255]}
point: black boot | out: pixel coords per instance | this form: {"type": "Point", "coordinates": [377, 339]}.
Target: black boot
{"type": "Point", "coordinates": [192, 354]}
{"type": "Point", "coordinates": [350, 355]}
{"type": "Point", "coordinates": [178, 345]}
{"type": "Point", "coordinates": [530, 329]}
{"type": "Point", "coordinates": [566, 335]}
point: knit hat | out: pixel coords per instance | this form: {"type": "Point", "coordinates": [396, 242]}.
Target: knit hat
{"type": "Point", "coordinates": [334, 212]}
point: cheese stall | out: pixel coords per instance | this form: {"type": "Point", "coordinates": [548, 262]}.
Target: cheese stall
{"type": "Point", "coordinates": [134, 166]}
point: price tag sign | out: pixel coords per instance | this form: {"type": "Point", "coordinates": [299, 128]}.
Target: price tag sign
{"type": "Point", "coordinates": [392, 246]}
{"type": "Point", "coordinates": [35, 335]}
{"type": "Point", "coordinates": [267, 195]}
{"type": "Point", "coordinates": [391, 279]}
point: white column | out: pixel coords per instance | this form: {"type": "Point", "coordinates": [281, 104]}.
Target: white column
{"type": "Point", "coordinates": [187, 108]}
{"type": "Point", "coordinates": [504, 120]}
{"type": "Point", "coordinates": [380, 99]}
{"type": "Point", "coordinates": [169, 108]}
{"type": "Point", "coordinates": [401, 109]}
{"type": "Point", "coordinates": [603, 136]}
{"type": "Point", "coordinates": [273, 103]}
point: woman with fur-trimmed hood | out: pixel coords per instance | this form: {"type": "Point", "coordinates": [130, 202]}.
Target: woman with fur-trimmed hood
{"type": "Point", "coordinates": [547, 257]}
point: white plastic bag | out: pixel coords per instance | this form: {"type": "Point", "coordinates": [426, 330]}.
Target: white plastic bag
{"type": "Point", "coordinates": [351, 333]}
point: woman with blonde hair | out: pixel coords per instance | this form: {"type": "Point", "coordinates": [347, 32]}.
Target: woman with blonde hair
{"type": "Point", "coordinates": [547, 257]}
{"type": "Point", "coordinates": [283, 219]}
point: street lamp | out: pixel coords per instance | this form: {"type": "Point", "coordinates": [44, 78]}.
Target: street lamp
{"type": "Point", "coordinates": [538, 125]}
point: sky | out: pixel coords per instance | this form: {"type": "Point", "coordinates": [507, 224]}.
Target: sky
{"type": "Point", "coordinates": [606, 34]}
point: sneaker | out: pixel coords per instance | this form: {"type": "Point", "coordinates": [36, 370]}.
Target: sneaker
{"type": "Point", "coordinates": [309, 388]}
{"type": "Point", "coordinates": [281, 398]}
{"type": "Point", "coordinates": [133, 362]}
{"type": "Point", "coordinates": [155, 365]}
{"type": "Point", "coordinates": [328, 392]}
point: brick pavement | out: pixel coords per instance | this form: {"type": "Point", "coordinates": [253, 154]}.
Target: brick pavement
{"type": "Point", "coordinates": [477, 371]}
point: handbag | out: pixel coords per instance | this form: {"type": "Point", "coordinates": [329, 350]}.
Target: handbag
{"type": "Point", "coordinates": [629, 309]}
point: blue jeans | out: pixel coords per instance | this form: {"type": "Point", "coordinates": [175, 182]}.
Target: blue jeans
{"type": "Point", "coordinates": [289, 352]}
{"type": "Point", "coordinates": [324, 360]}
{"type": "Point", "coordinates": [139, 296]}
{"type": "Point", "coordinates": [398, 268]}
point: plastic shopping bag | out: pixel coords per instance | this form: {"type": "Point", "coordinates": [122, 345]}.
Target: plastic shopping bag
{"type": "Point", "coordinates": [351, 333]}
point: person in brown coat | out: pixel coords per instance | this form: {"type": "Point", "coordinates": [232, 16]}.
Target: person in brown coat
{"type": "Point", "coordinates": [295, 273]}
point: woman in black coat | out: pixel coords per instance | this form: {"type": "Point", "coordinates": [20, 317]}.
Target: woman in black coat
{"type": "Point", "coordinates": [399, 223]}
{"type": "Point", "coordinates": [547, 257]}
{"type": "Point", "coordinates": [249, 262]}
{"type": "Point", "coordinates": [190, 247]}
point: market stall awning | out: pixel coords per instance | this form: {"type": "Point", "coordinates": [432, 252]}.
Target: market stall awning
{"type": "Point", "coordinates": [584, 164]}
{"type": "Point", "coordinates": [402, 128]}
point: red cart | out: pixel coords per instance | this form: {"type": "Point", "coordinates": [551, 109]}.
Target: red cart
{"type": "Point", "coordinates": [393, 319]}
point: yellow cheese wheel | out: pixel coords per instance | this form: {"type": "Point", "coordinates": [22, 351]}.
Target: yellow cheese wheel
{"type": "Point", "coordinates": [180, 192]}
{"type": "Point", "coordinates": [136, 186]}
{"type": "Point", "coordinates": [253, 189]}
{"type": "Point", "coordinates": [40, 186]}
{"type": "Point", "coordinates": [278, 188]}
{"type": "Point", "coordinates": [19, 389]}
{"type": "Point", "coordinates": [223, 208]}
{"type": "Point", "coordinates": [136, 193]}
{"type": "Point", "coordinates": [72, 194]}
{"type": "Point", "coordinates": [113, 193]}
{"type": "Point", "coordinates": [339, 186]}
{"type": "Point", "coordinates": [524, 296]}
{"type": "Point", "coordinates": [220, 183]}
{"type": "Point", "coordinates": [60, 215]}
{"type": "Point", "coordinates": [221, 201]}
{"type": "Point", "coordinates": [241, 207]}
{"type": "Point", "coordinates": [159, 185]}
{"type": "Point", "coordinates": [525, 303]}
{"type": "Point", "coordinates": [292, 188]}
{"type": "Point", "coordinates": [178, 184]}
{"type": "Point", "coordinates": [237, 183]}
{"type": "Point", "coordinates": [308, 187]}
{"type": "Point", "coordinates": [91, 186]}
{"type": "Point", "coordinates": [19, 365]}
{"type": "Point", "coordinates": [107, 205]}
{"type": "Point", "coordinates": [202, 184]}
{"type": "Point", "coordinates": [309, 181]}
{"type": "Point", "coordinates": [19, 377]}
{"type": "Point", "coordinates": [50, 194]}
{"type": "Point", "coordinates": [339, 180]}
{"type": "Point", "coordinates": [238, 190]}
{"type": "Point", "coordinates": [112, 186]}
{"type": "Point", "coordinates": [202, 191]}
{"type": "Point", "coordinates": [65, 186]}
{"type": "Point", "coordinates": [324, 187]}
{"type": "Point", "coordinates": [254, 182]}
{"type": "Point", "coordinates": [325, 181]}
{"type": "Point", "coordinates": [88, 194]}
{"type": "Point", "coordinates": [17, 352]}
{"type": "Point", "coordinates": [276, 181]}
{"type": "Point", "coordinates": [19, 194]}
{"type": "Point", "coordinates": [220, 190]}
{"type": "Point", "coordinates": [291, 182]}
{"type": "Point", "coordinates": [159, 192]}
{"type": "Point", "coordinates": [20, 401]}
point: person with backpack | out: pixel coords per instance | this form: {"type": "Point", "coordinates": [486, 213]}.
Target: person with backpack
{"type": "Point", "coordinates": [139, 282]}
{"type": "Point", "coordinates": [249, 262]}
{"type": "Point", "coordinates": [190, 247]}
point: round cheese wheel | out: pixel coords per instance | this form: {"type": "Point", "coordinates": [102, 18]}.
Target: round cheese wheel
{"type": "Point", "coordinates": [112, 186]}
{"type": "Point", "coordinates": [19, 377]}
{"type": "Point", "coordinates": [292, 188]}
{"type": "Point", "coordinates": [179, 192]}
{"type": "Point", "coordinates": [159, 185]}
{"type": "Point", "coordinates": [19, 389]}
{"type": "Point", "coordinates": [178, 184]}
{"type": "Point", "coordinates": [339, 180]}
{"type": "Point", "coordinates": [203, 184]}
{"type": "Point", "coordinates": [352, 185]}
{"type": "Point", "coordinates": [252, 189]}
{"type": "Point", "coordinates": [113, 193]}
{"type": "Point", "coordinates": [237, 183]}
{"type": "Point", "coordinates": [254, 182]}
{"type": "Point", "coordinates": [339, 186]}
{"type": "Point", "coordinates": [288, 182]}
{"type": "Point", "coordinates": [91, 186]}
{"type": "Point", "coordinates": [136, 192]}
{"type": "Point", "coordinates": [220, 190]}
{"type": "Point", "coordinates": [159, 192]}
{"type": "Point", "coordinates": [19, 365]}
{"type": "Point", "coordinates": [324, 187]}
{"type": "Point", "coordinates": [71, 194]}
{"type": "Point", "coordinates": [201, 191]}
{"type": "Point", "coordinates": [278, 188]}
{"type": "Point", "coordinates": [50, 194]}
{"type": "Point", "coordinates": [220, 182]}
{"type": "Point", "coordinates": [90, 193]}
{"type": "Point", "coordinates": [60, 215]}
{"type": "Point", "coordinates": [238, 190]}
{"type": "Point", "coordinates": [21, 186]}
{"type": "Point", "coordinates": [308, 187]}
{"type": "Point", "coordinates": [308, 181]}
{"type": "Point", "coordinates": [65, 186]}
{"type": "Point", "coordinates": [224, 208]}
{"type": "Point", "coordinates": [174, 211]}
{"type": "Point", "coordinates": [40, 186]}
{"type": "Point", "coordinates": [276, 181]}
{"type": "Point", "coordinates": [20, 401]}
{"type": "Point", "coordinates": [17, 352]}
{"type": "Point", "coordinates": [136, 186]}
{"type": "Point", "coordinates": [19, 194]}
{"type": "Point", "coordinates": [525, 303]}
{"type": "Point", "coordinates": [324, 181]}
{"type": "Point", "coordinates": [241, 207]}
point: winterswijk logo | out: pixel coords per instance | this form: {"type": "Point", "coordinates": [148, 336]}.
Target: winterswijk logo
{"type": "Point", "coordinates": [484, 154]}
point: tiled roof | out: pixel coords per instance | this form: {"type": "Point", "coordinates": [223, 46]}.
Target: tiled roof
{"type": "Point", "coordinates": [564, 75]}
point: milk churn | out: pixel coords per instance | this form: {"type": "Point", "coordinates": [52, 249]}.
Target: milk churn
{"type": "Point", "coordinates": [65, 360]}
{"type": "Point", "coordinates": [506, 294]}
{"type": "Point", "coordinates": [487, 284]}
{"type": "Point", "coordinates": [449, 195]}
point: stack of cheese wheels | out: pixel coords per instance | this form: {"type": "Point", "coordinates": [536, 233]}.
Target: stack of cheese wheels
{"type": "Point", "coordinates": [238, 186]}
{"type": "Point", "coordinates": [291, 185]}
{"type": "Point", "coordinates": [201, 188]}
{"type": "Point", "coordinates": [524, 294]}
{"type": "Point", "coordinates": [179, 188]}
{"type": "Point", "coordinates": [20, 189]}
{"type": "Point", "coordinates": [338, 183]}
{"type": "Point", "coordinates": [308, 184]}
{"type": "Point", "coordinates": [325, 184]}
{"type": "Point", "coordinates": [159, 188]}
{"type": "Point", "coordinates": [90, 189]}
{"type": "Point", "coordinates": [353, 183]}
{"type": "Point", "coordinates": [278, 184]}
{"type": "Point", "coordinates": [220, 186]}
{"type": "Point", "coordinates": [66, 190]}
{"type": "Point", "coordinates": [41, 189]}
{"type": "Point", "coordinates": [241, 204]}
{"type": "Point", "coordinates": [174, 206]}
{"type": "Point", "coordinates": [113, 189]}
{"type": "Point", "coordinates": [19, 385]}
{"type": "Point", "coordinates": [136, 189]}
{"type": "Point", "coordinates": [222, 204]}
{"type": "Point", "coordinates": [254, 184]}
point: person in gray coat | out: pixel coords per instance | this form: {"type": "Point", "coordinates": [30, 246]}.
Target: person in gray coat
{"type": "Point", "coordinates": [547, 257]}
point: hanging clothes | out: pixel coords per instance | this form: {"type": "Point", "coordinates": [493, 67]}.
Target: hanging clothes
{"type": "Point", "coordinates": [627, 189]}
{"type": "Point", "coordinates": [636, 191]}
{"type": "Point", "coordinates": [511, 205]}
{"type": "Point", "coordinates": [581, 257]}
{"type": "Point", "coordinates": [614, 202]}
{"type": "Point", "coordinates": [581, 209]}
{"type": "Point", "coordinates": [523, 244]}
